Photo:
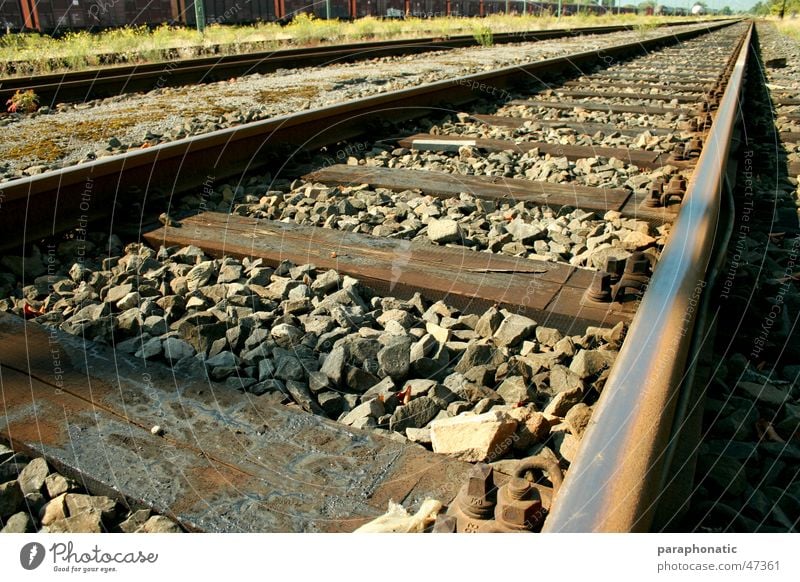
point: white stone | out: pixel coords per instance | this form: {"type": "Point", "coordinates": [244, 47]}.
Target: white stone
{"type": "Point", "coordinates": [474, 438]}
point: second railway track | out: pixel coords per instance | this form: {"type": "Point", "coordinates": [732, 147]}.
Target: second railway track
{"type": "Point", "coordinates": [71, 86]}
{"type": "Point", "coordinates": [469, 276]}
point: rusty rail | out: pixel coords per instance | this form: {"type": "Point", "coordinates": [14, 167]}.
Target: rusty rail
{"type": "Point", "coordinates": [60, 199]}
{"type": "Point", "coordinates": [617, 479]}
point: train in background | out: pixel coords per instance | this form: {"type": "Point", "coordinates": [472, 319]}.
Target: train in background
{"type": "Point", "coordinates": [60, 16]}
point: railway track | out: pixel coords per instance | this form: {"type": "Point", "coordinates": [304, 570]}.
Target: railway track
{"type": "Point", "coordinates": [78, 86]}
{"type": "Point", "coordinates": [486, 261]}
{"type": "Point", "coordinates": [747, 455]}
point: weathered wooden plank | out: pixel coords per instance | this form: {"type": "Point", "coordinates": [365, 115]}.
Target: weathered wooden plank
{"type": "Point", "coordinates": [631, 74]}
{"type": "Point", "coordinates": [641, 158]}
{"type": "Point", "coordinates": [786, 101]}
{"type": "Point", "coordinates": [607, 107]}
{"type": "Point", "coordinates": [584, 128]}
{"type": "Point", "coordinates": [444, 185]}
{"type": "Point", "coordinates": [469, 280]}
{"type": "Point", "coordinates": [789, 136]}
{"type": "Point", "coordinates": [685, 87]}
{"type": "Point", "coordinates": [631, 95]}
{"type": "Point", "coordinates": [227, 462]}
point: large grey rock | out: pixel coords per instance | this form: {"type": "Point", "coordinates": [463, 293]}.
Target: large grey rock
{"type": "Point", "coordinates": [159, 524]}
{"type": "Point", "coordinates": [588, 363]}
{"type": "Point", "coordinates": [566, 445]}
{"type": "Point", "coordinates": [19, 523]}
{"type": "Point", "coordinates": [524, 232]}
{"type": "Point", "coordinates": [176, 349]}
{"type": "Point", "coordinates": [130, 301]}
{"type": "Point", "coordinates": [56, 484]}
{"type": "Point", "coordinates": [400, 316]}
{"type": "Point", "coordinates": [478, 438]}
{"type": "Point", "coordinates": [563, 402]}
{"type": "Point", "coordinates": [332, 403]}
{"type": "Point", "coordinates": [54, 510]}
{"type": "Point", "coordinates": [371, 408]}
{"type": "Point", "coordinates": [722, 474]}
{"type": "Point", "coordinates": [318, 381]}
{"type": "Point", "coordinates": [200, 275]}
{"type": "Point", "coordinates": [548, 336]}
{"type": "Point", "coordinates": [302, 395]}
{"type": "Point", "coordinates": [489, 323]}
{"type": "Point", "coordinates": [637, 241]}
{"type": "Point", "coordinates": [514, 329]}
{"type": "Point", "coordinates": [288, 367]}
{"type": "Point", "coordinates": [444, 231]}
{"type": "Point", "coordinates": [326, 282]}
{"type": "Point", "coordinates": [764, 393]}
{"type": "Point", "coordinates": [11, 498]}
{"type": "Point", "coordinates": [269, 386]}
{"type": "Point", "coordinates": [394, 360]}
{"type": "Point", "coordinates": [86, 522]}
{"type": "Point", "coordinates": [420, 436]}
{"type": "Point", "coordinates": [134, 521]}
{"type": "Point", "coordinates": [229, 273]}
{"type": "Point", "coordinates": [32, 477]}
{"type": "Point", "coordinates": [532, 428]}
{"type": "Point", "coordinates": [415, 414]}
{"type": "Point", "coordinates": [266, 369]}
{"type": "Point", "coordinates": [222, 365]}
{"type": "Point", "coordinates": [563, 379]}
{"type": "Point", "coordinates": [227, 359]}
{"type": "Point", "coordinates": [286, 335]}
{"type": "Point", "coordinates": [117, 292]}
{"type": "Point", "coordinates": [154, 325]}
{"type": "Point", "coordinates": [77, 503]}
{"type": "Point", "coordinates": [359, 380]}
{"type": "Point", "coordinates": [515, 389]}
{"type": "Point", "coordinates": [477, 354]}
{"type": "Point", "coordinates": [577, 419]}
{"type": "Point", "coordinates": [334, 365]}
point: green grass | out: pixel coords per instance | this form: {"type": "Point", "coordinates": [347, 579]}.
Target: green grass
{"type": "Point", "coordinates": [789, 27]}
{"type": "Point", "coordinates": [25, 54]}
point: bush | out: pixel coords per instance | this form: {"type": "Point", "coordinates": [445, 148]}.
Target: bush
{"type": "Point", "coordinates": [23, 102]}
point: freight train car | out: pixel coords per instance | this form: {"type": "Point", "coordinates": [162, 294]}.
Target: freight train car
{"type": "Point", "coordinates": [54, 16]}
{"type": "Point", "coordinates": [58, 16]}
{"type": "Point", "coordinates": [11, 19]}
{"type": "Point", "coordinates": [228, 11]}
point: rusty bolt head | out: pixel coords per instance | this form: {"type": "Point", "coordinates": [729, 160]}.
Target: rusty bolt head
{"type": "Point", "coordinates": [523, 514]}
{"type": "Point", "coordinates": [637, 264]}
{"type": "Point", "coordinates": [477, 498]}
{"type": "Point", "coordinates": [519, 489]}
{"type": "Point", "coordinates": [680, 152]}
{"type": "Point", "coordinates": [480, 482]}
{"type": "Point", "coordinates": [600, 288]}
{"type": "Point", "coordinates": [694, 147]}
{"type": "Point", "coordinates": [614, 266]}
{"type": "Point", "coordinates": [653, 198]}
{"type": "Point", "coordinates": [520, 514]}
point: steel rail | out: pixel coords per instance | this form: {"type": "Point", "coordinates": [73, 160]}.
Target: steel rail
{"type": "Point", "coordinates": [115, 80]}
{"type": "Point", "coordinates": [65, 198]}
{"type": "Point", "coordinates": [615, 483]}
